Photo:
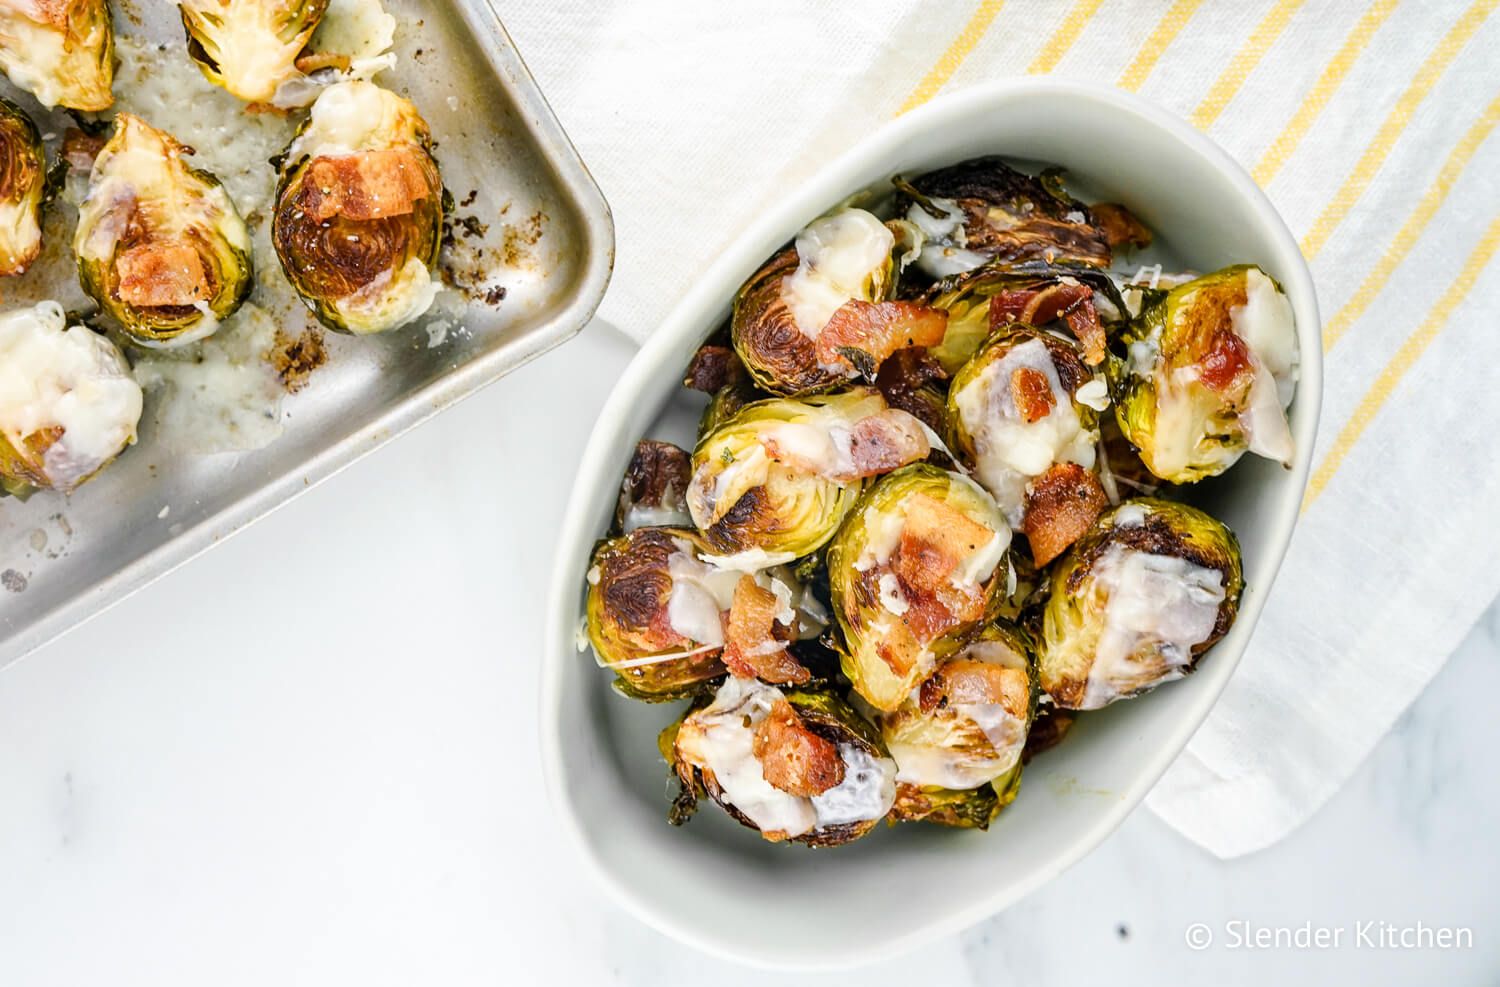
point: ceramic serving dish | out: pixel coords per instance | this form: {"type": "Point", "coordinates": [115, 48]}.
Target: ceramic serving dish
{"type": "Point", "coordinates": [717, 886]}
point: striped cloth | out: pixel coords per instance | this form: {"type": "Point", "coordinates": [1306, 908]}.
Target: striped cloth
{"type": "Point", "coordinates": [1369, 123]}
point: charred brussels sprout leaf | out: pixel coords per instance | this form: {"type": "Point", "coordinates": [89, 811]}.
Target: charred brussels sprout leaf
{"type": "Point", "coordinates": [160, 246]}
{"type": "Point", "coordinates": [981, 302]}
{"type": "Point", "coordinates": [23, 186]}
{"type": "Point", "coordinates": [983, 211]}
{"type": "Point", "coordinates": [631, 586]}
{"type": "Point", "coordinates": [799, 766]}
{"type": "Point", "coordinates": [1211, 366]}
{"type": "Point", "coordinates": [964, 729]}
{"type": "Point", "coordinates": [781, 474]}
{"type": "Point", "coordinates": [822, 312]}
{"type": "Point", "coordinates": [60, 51]}
{"type": "Point", "coordinates": [359, 211]}
{"type": "Point", "coordinates": [914, 570]}
{"type": "Point", "coordinates": [1136, 602]}
{"type": "Point", "coordinates": [68, 404]}
{"type": "Point", "coordinates": [250, 47]}
{"type": "Point", "coordinates": [974, 808]}
{"type": "Point", "coordinates": [653, 489]}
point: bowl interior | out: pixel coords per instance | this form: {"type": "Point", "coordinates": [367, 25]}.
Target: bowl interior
{"type": "Point", "coordinates": [717, 885]}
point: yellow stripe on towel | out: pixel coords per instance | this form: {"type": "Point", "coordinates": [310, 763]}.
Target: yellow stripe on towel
{"type": "Point", "coordinates": [1322, 91]}
{"type": "Point", "coordinates": [1244, 62]}
{"type": "Point", "coordinates": [1171, 23]}
{"type": "Point", "coordinates": [1395, 123]}
{"type": "Point", "coordinates": [1064, 37]}
{"type": "Point", "coordinates": [1432, 323]}
{"type": "Point", "coordinates": [954, 56]}
{"type": "Point", "coordinates": [1412, 229]}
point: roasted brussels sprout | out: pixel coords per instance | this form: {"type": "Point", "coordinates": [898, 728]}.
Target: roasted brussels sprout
{"type": "Point", "coordinates": [60, 51]}
{"type": "Point", "coordinates": [359, 210]}
{"type": "Point", "coordinates": [983, 211]}
{"type": "Point", "coordinates": [797, 766]}
{"type": "Point", "coordinates": [777, 478]}
{"type": "Point", "coordinates": [987, 300]}
{"type": "Point", "coordinates": [1019, 407]}
{"type": "Point", "coordinates": [652, 493]}
{"type": "Point", "coordinates": [68, 404]}
{"type": "Point", "coordinates": [23, 184]}
{"type": "Point", "coordinates": [821, 313]}
{"type": "Point", "coordinates": [915, 568]}
{"type": "Point", "coordinates": [962, 729]}
{"type": "Point", "coordinates": [666, 620]}
{"type": "Point", "coordinates": [249, 47]}
{"type": "Point", "coordinates": [160, 246]}
{"type": "Point", "coordinates": [1136, 602]}
{"type": "Point", "coordinates": [1211, 368]}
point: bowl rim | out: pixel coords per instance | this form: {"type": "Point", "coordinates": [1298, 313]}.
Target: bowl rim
{"type": "Point", "coordinates": [830, 184]}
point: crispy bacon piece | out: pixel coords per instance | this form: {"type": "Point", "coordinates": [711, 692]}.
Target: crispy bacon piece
{"type": "Point", "coordinates": [1032, 392]}
{"type": "Point", "coordinates": [369, 185]}
{"type": "Point", "coordinates": [712, 367]}
{"type": "Point", "coordinates": [1067, 300]}
{"type": "Point", "coordinates": [885, 441]}
{"type": "Point", "coordinates": [878, 443]}
{"type": "Point", "coordinates": [1061, 505]}
{"type": "Point", "coordinates": [792, 757]}
{"type": "Point", "coordinates": [752, 648]}
{"type": "Point", "coordinates": [964, 680]}
{"type": "Point", "coordinates": [80, 149]}
{"type": "Point", "coordinates": [935, 540]}
{"type": "Point", "coordinates": [1227, 363]}
{"type": "Point", "coordinates": [158, 274]}
{"type": "Point", "coordinates": [862, 334]}
{"type": "Point", "coordinates": [1119, 225]}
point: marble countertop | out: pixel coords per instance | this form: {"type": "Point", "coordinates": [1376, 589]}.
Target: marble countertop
{"type": "Point", "coordinates": [309, 758]}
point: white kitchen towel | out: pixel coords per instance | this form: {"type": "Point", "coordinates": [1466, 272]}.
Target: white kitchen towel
{"type": "Point", "coordinates": [1370, 126]}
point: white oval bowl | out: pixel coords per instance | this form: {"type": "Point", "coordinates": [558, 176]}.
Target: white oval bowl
{"type": "Point", "coordinates": [718, 886]}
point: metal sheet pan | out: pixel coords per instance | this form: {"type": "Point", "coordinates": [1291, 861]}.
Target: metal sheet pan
{"type": "Point", "coordinates": [541, 230]}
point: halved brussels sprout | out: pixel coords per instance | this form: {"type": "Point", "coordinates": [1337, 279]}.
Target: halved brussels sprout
{"type": "Point", "coordinates": [60, 51]}
{"type": "Point", "coordinates": [1016, 409]}
{"type": "Point", "coordinates": [915, 568]}
{"type": "Point", "coordinates": [160, 246]}
{"type": "Point", "coordinates": [1136, 602]}
{"type": "Point", "coordinates": [653, 490]}
{"type": "Point", "coordinates": [988, 299]}
{"type": "Point", "coordinates": [654, 612]}
{"type": "Point", "coordinates": [1212, 367]}
{"type": "Point", "coordinates": [23, 185]}
{"type": "Point", "coordinates": [983, 211]}
{"type": "Point", "coordinates": [68, 404]}
{"type": "Point", "coordinates": [359, 211]}
{"type": "Point", "coordinates": [249, 47]}
{"type": "Point", "coordinates": [798, 766]}
{"type": "Point", "coordinates": [964, 728]}
{"type": "Point", "coordinates": [778, 477]}
{"type": "Point", "coordinates": [665, 619]}
{"type": "Point", "coordinates": [821, 313]}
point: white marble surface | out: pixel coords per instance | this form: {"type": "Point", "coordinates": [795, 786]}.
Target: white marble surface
{"type": "Point", "coordinates": [309, 758]}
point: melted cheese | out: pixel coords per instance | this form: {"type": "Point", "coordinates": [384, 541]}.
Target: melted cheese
{"type": "Point", "coordinates": [836, 258]}
{"type": "Point", "coordinates": [1009, 451]}
{"type": "Point", "coordinates": [719, 739]}
{"type": "Point", "coordinates": [945, 241]}
{"type": "Point", "coordinates": [1158, 607]}
{"type": "Point", "coordinates": [1266, 324]}
{"type": "Point", "coordinates": [52, 376]}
